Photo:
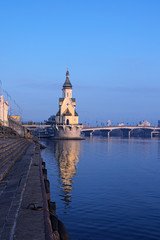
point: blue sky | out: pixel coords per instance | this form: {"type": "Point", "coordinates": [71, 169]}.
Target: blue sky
{"type": "Point", "coordinates": [112, 49]}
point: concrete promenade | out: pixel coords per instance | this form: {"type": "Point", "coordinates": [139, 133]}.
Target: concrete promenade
{"type": "Point", "coordinates": [22, 186]}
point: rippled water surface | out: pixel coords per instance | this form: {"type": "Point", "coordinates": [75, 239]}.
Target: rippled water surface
{"type": "Point", "coordinates": [106, 189]}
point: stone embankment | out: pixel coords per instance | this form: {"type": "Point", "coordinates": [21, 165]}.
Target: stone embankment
{"type": "Point", "coordinates": [7, 131]}
{"type": "Point", "coordinates": [25, 207]}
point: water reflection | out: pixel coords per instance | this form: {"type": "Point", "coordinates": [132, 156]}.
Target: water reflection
{"type": "Point", "coordinates": [118, 179]}
{"type": "Point", "coordinates": [159, 150]}
{"type": "Point", "coordinates": [66, 154]}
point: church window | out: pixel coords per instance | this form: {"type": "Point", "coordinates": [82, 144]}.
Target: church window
{"type": "Point", "coordinates": [67, 122]}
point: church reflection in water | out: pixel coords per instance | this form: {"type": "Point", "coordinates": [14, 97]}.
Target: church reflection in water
{"type": "Point", "coordinates": [66, 154]}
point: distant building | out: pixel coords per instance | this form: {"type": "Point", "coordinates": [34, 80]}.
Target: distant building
{"type": "Point", "coordinates": [158, 123]}
{"type": "Point", "coordinates": [3, 111]}
{"type": "Point", "coordinates": [121, 124]}
{"type": "Point", "coordinates": [144, 123]}
{"type": "Point", "coordinates": [109, 123]}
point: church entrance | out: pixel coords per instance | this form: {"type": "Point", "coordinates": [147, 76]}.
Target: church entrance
{"type": "Point", "coordinates": [67, 122]}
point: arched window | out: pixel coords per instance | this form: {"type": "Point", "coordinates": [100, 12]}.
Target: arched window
{"type": "Point", "coordinates": [67, 122]}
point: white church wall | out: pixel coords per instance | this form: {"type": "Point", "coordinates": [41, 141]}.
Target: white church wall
{"type": "Point", "coordinates": [3, 111]}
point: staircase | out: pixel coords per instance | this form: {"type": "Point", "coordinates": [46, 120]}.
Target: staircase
{"type": "Point", "coordinates": [10, 151]}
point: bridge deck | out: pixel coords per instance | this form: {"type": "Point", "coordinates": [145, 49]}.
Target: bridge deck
{"type": "Point", "coordinates": [120, 127]}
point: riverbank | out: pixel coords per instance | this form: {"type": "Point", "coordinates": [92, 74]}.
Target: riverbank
{"type": "Point", "coordinates": [24, 194]}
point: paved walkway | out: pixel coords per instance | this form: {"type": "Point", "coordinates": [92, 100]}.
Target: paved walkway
{"type": "Point", "coordinates": [18, 189]}
{"type": "Point", "coordinates": [4, 140]}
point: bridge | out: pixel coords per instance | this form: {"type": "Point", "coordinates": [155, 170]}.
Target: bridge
{"type": "Point", "coordinates": [88, 131]}
{"type": "Point", "coordinates": [126, 129]}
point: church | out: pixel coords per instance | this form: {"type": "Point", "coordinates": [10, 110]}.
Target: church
{"type": "Point", "coordinates": [67, 120]}
{"type": "Point", "coordinates": [67, 113]}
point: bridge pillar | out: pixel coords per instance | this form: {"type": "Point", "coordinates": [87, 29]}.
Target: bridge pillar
{"type": "Point", "coordinates": [152, 133]}
{"type": "Point", "coordinates": [106, 132]}
{"type": "Point", "coordinates": [129, 134]}
{"type": "Point", "coordinates": [126, 132]}
{"type": "Point", "coordinates": [88, 133]}
{"type": "Point", "coordinates": [109, 133]}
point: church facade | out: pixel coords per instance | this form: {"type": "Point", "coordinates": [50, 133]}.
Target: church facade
{"type": "Point", "coordinates": [67, 120]}
{"type": "Point", "coordinates": [67, 113]}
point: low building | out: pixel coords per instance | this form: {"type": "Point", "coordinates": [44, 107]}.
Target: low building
{"type": "Point", "coordinates": [120, 124]}
{"type": "Point", "coordinates": [144, 123]}
{"type": "Point", "coordinates": [108, 123]}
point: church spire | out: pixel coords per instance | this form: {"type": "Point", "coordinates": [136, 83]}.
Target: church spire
{"type": "Point", "coordinates": [67, 74]}
{"type": "Point", "coordinates": [67, 83]}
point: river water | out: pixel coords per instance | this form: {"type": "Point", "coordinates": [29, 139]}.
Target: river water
{"type": "Point", "coordinates": [106, 188]}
